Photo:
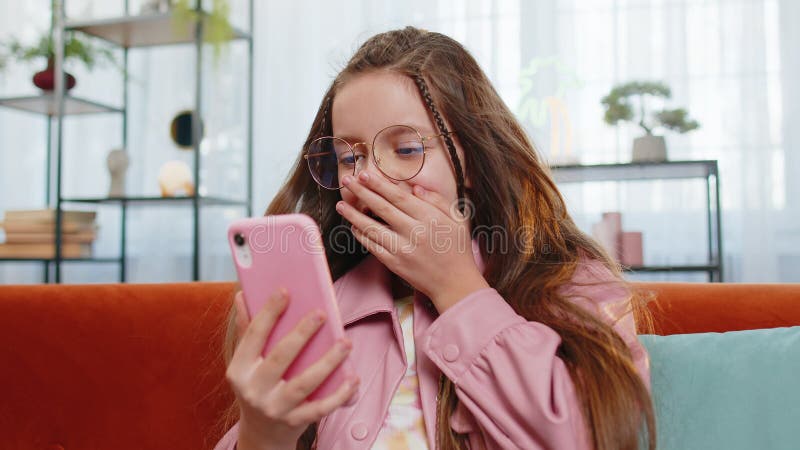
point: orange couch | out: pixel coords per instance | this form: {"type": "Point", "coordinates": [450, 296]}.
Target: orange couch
{"type": "Point", "coordinates": [127, 366]}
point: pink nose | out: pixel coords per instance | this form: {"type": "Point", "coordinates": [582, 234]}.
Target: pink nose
{"type": "Point", "coordinates": [371, 169]}
{"type": "Point", "coordinates": [368, 165]}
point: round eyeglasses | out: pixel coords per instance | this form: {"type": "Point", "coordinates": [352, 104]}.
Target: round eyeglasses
{"type": "Point", "coordinates": [398, 151]}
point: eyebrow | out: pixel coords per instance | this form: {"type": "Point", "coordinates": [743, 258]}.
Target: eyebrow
{"type": "Point", "coordinates": [424, 131]}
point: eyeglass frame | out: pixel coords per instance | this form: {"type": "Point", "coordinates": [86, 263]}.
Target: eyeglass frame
{"type": "Point", "coordinates": [371, 150]}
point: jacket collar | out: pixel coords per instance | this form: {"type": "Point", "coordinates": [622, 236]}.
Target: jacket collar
{"type": "Point", "coordinates": [366, 289]}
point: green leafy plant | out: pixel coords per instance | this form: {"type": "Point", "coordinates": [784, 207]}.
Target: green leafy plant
{"type": "Point", "coordinates": [621, 101]}
{"type": "Point", "coordinates": [217, 28]}
{"type": "Point", "coordinates": [75, 48]}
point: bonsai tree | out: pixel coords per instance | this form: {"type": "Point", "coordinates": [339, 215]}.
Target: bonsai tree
{"type": "Point", "coordinates": [619, 107]}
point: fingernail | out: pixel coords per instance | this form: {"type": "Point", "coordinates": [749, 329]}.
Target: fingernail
{"type": "Point", "coordinates": [345, 344]}
{"type": "Point", "coordinates": [283, 299]}
{"type": "Point", "coordinates": [364, 176]}
{"type": "Point", "coordinates": [319, 317]}
{"type": "Point", "coordinates": [419, 190]}
{"type": "Point", "coordinates": [346, 180]}
{"type": "Point", "coordinates": [339, 206]}
{"type": "Point", "coordinates": [282, 296]}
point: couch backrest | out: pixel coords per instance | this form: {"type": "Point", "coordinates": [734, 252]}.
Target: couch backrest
{"type": "Point", "coordinates": [112, 366]}
{"type": "Point", "coordinates": [127, 366]}
{"type": "Point", "coordinates": [718, 307]}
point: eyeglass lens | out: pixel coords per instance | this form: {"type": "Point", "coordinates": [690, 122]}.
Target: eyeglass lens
{"type": "Point", "coordinates": [398, 153]}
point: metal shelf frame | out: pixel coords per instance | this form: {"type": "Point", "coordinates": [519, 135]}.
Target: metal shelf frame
{"type": "Point", "coordinates": [146, 30]}
{"type": "Point", "coordinates": [47, 104]}
{"type": "Point", "coordinates": [127, 32]}
{"type": "Point", "coordinates": [667, 170]}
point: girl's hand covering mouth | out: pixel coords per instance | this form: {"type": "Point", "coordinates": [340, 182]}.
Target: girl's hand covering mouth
{"type": "Point", "coordinates": [415, 235]}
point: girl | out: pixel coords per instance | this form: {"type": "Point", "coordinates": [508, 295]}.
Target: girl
{"type": "Point", "coordinates": [492, 324]}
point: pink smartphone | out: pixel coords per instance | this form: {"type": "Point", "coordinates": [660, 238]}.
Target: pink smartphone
{"type": "Point", "coordinates": [286, 251]}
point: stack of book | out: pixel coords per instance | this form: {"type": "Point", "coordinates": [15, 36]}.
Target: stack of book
{"type": "Point", "coordinates": [31, 234]}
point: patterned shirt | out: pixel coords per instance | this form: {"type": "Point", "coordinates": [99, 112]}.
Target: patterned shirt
{"type": "Point", "coordinates": [404, 427]}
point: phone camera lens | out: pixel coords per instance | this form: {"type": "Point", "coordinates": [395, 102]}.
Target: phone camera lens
{"type": "Point", "coordinates": [239, 239]}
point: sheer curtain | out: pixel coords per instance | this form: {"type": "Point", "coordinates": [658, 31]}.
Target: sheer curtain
{"type": "Point", "coordinates": [733, 64]}
{"type": "Point", "coordinates": [729, 62]}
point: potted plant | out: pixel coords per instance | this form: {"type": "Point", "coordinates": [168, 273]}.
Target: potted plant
{"type": "Point", "coordinates": [217, 29]}
{"type": "Point", "coordinates": [619, 107]}
{"type": "Point", "coordinates": [75, 48]}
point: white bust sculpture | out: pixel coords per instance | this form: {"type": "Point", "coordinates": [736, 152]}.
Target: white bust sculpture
{"type": "Point", "coordinates": [117, 165]}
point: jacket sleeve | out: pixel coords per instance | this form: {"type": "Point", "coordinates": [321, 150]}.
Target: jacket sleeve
{"type": "Point", "coordinates": [507, 374]}
{"type": "Point", "coordinates": [228, 442]}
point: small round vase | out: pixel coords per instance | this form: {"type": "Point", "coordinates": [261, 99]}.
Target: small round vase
{"type": "Point", "coordinates": [46, 79]}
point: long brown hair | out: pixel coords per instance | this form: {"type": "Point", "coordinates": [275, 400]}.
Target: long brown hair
{"type": "Point", "coordinates": [511, 189]}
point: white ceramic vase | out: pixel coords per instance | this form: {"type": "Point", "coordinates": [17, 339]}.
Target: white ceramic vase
{"type": "Point", "coordinates": [649, 148]}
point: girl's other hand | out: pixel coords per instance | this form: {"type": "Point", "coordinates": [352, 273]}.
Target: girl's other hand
{"type": "Point", "coordinates": [425, 240]}
{"type": "Point", "coordinates": [273, 412]}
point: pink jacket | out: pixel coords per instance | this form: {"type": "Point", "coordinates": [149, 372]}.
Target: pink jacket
{"type": "Point", "coordinates": [513, 391]}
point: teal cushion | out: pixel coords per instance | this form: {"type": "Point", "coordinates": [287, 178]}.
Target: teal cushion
{"type": "Point", "coordinates": [735, 390]}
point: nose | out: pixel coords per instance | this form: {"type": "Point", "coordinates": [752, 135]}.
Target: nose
{"type": "Point", "coordinates": [367, 164]}
{"type": "Point", "coordinates": [369, 167]}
